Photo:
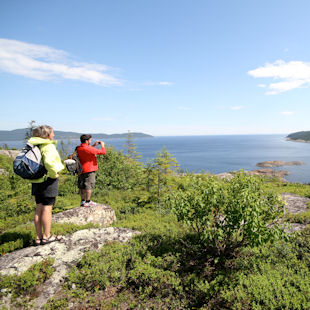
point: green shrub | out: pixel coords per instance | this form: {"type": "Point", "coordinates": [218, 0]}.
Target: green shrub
{"type": "Point", "coordinates": [151, 278]}
{"type": "Point", "coordinates": [26, 283]}
{"type": "Point", "coordinates": [117, 171]}
{"type": "Point", "coordinates": [55, 304]}
{"type": "Point", "coordinates": [275, 288]}
{"type": "Point", "coordinates": [227, 215]}
{"type": "Point", "coordinates": [98, 270]}
{"type": "Point", "coordinates": [271, 278]}
{"type": "Point", "coordinates": [67, 185]}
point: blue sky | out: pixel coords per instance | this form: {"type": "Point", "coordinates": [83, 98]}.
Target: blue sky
{"type": "Point", "coordinates": [159, 67]}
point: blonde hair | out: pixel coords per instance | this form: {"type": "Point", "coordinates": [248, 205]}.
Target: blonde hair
{"type": "Point", "coordinates": [42, 131]}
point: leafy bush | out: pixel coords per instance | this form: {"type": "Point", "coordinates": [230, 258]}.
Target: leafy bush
{"type": "Point", "coordinates": [274, 277]}
{"type": "Point", "coordinates": [227, 215]}
{"type": "Point", "coordinates": [117, 171]}
{"type": "Point", "coordinates": [96, 270]}
{"type": "Point", "coordinates": [128, 266]}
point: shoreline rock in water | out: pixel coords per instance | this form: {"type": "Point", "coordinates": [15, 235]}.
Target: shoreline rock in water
{"type": "Point", "coordinates": [279, 163]}
{"type": "Point", "coordinates": [268, 172]}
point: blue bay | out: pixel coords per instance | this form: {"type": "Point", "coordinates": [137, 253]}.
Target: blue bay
{"type": "Point", "coordinates": [222, 153]}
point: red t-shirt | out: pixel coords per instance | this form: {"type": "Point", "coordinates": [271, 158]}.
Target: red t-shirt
{"type": "Point", "coordinates": [87, 156]}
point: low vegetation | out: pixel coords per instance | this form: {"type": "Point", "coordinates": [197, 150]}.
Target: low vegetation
{"type": "Point", "coordinates": [206, 243]}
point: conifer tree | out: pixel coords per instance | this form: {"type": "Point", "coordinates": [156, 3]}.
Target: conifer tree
{"type": "Point", "coordinates": [131, 147]}
{"type": "Point", "coordinates": [28, 133]}
{"type": "Point", "coordinates": [165, 164]}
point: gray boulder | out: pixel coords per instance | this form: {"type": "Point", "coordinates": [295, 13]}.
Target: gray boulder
{"type": "Point", "coordinates": [295, 204]}
{"type": "Point", "coordinates": [99, 214]}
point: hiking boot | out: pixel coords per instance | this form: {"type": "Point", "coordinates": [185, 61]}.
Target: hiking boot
{"type": "Point", "coordinates": [82, 203]}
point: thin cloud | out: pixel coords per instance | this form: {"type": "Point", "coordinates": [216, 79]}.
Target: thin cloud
{"type": "Point", "coordinates": [165, 83]}
{"type": "Point", "coordinates": [287, 113]}
{"type": "Point", "coordinates": [105, 119]}
{"type": "Point", "coordinates": [289, 75]}
{"type": "Point", "coordinates": [45, 63]}
{"type": "Point", "coordinates": [236, 108]}
{"type": "Point", "coordinates": [158, 83]}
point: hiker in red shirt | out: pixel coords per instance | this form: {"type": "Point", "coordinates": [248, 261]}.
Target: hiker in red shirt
{"type": "Point", "coordinates": [87, 155]}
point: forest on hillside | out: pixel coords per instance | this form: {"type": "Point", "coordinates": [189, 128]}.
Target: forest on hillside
{"type": "Point", "coordinates": [300, 135]}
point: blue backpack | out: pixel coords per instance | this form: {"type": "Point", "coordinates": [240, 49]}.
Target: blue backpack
{"type": "Point", "coordinates": [28, 163]}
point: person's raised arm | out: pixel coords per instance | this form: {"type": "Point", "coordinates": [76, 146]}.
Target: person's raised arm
{"type": "Point", "coordinates": [96, 151]}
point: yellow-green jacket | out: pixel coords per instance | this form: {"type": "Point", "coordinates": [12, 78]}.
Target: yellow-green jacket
{"type": "Point", "coordinates": [50, 156]}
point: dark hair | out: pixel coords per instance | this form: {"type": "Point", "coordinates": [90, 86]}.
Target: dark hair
{"type": "Point", "coordinates": [84, 138]}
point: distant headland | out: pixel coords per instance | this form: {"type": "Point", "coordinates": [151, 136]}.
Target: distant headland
{"type": "Point", "coordinates": [300, 136]}
{"type": "Point", "coordinates": [19, 134]}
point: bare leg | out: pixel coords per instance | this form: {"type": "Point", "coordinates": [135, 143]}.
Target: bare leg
{"type": "Point", "coordinates": [38, 222]}
{"type": "Point", "coordinates": [87, 194]}
{"type": "Point", "coordinates": [46, 220]}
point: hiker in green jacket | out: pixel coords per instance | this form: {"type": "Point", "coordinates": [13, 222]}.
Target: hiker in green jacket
{"type": "Point", "coordinates": [45, 189]}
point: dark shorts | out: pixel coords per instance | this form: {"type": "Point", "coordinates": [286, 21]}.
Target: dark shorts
{"type": "Point", "coordinates": [87, 180]}
{"type": "Point", "coordinates": [48, 188]}
{"type": "Point", "coordinates": [46, 201]}
{"type": "Point", "coordinates": [45, 192]}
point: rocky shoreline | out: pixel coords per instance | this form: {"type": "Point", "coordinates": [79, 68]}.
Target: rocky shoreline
{"type": "Point", "coordinates": [297, 140]}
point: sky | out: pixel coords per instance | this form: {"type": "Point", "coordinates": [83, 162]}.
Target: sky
{"type": "Point", "coordinates": [161, 67]}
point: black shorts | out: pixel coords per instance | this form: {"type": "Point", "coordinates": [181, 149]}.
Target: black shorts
{"type": "Point", "coordinates": [45, 201]}
{"type": "Point", "coordinates": [48, 188]}
{"type": "Point", "coordinates": [45, 193]}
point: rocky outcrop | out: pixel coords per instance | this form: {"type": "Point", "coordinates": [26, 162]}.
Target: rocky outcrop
{"type": "Point", "coordinates": [269, 172]}
{"type": "Point", "coordinates": [10, 153]}
{"type": "Point", "coordinates": [66, 254]}
{"type": "Point", "coordinates": [279, 163]}
{"type": "Point", "coordinates": [99, 214]}
{"type": "Point", "coordinates": [261, 172]}
{"type": "Point", "coordinates": [225, 175]}
{"type": "Point", "coordinates": [295, 204]}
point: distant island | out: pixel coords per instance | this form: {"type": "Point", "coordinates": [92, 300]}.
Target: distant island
{"type": "Point", "coordinates": [19, 134]}
{"type": "Point", "coordinates": [279, 163]}
{"type": "Point", "coordinates": [300, 136]}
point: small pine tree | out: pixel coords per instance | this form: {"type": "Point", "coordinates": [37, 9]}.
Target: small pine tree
{"type": "Point", "coordinates": [131, 147]}
{"type": "Point", "coordinates": [31, 126]}
{"type": "Point", "coordinates": [165, 164]}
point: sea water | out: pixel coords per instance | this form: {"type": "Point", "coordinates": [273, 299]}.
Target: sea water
{"type": "Point", "coordinates": [219, 153]}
